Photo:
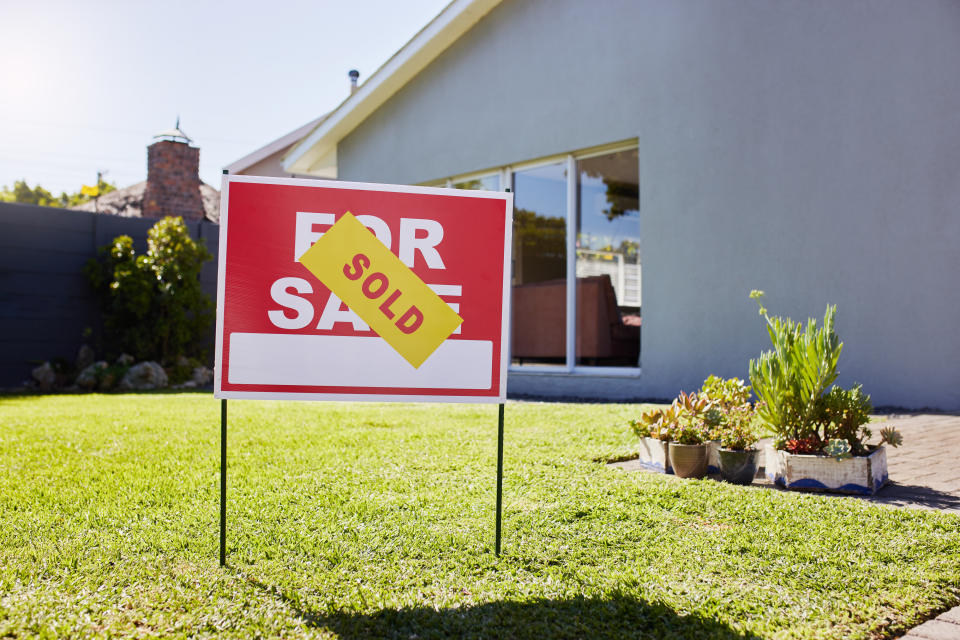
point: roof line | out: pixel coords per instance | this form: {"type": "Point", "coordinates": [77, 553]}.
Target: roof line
{"type": "Point", "coordinates": [270, 148]}
{"type": "Point", "coordinates": [441, 32]}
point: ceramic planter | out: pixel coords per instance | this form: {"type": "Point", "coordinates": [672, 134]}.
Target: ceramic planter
{"type": "Point", "coordinates": [653, 455]}
{"type": "Point", "coordinates": [863, 475]}
{"type": "Point", "coordinates": [713, 460]}
{"type": "Point", "coordinates": [688, 460]}
{"type": "Point", "coordinates": [738, 467]}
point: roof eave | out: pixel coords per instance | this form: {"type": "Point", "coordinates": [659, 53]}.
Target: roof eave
{"type": "Point", "coordinates": [270, 148]}
{"type": "Point", "coordinates": [315, 150]}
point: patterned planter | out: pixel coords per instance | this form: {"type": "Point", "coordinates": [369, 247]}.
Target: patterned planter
{"type": "Point", "coordinates": [863, 475]}
{"type": "Point", "coordinates": [688, 460]}
{"type": "Point", "coordinates": [653, 455]}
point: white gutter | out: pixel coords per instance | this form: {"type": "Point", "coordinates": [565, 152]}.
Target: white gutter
{"type": "Point", "coordinates": [316, 151]}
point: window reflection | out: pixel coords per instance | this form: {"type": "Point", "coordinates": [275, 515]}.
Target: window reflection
{"type": "Point", "coordinates": [608, 260]}
{"type": "Point", "coordinates": [486, 183]}
{"type": "Point", "coordinates": [539, 265]}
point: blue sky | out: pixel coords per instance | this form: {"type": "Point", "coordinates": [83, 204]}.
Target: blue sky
{"type": "Point", "coordinates": [85, 85]}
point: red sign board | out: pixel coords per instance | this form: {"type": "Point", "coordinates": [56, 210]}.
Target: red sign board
{"type": "Point", "coordinates": [283, 331]}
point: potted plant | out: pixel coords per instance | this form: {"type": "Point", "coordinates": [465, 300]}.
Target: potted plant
{"type": "Point", "coordinates": [723, 396]}
{"type": "Point", "coordinates": [738, 439]}
{"type": "Point", "coordinates": [689, 436]}
{"type": "Point", "coordinates": [654, 428]}
{"type": "Point", "coordinates": [819, 435]}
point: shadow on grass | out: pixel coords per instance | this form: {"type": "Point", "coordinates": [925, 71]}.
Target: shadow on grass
{"type": "Point", "coordinates": [613, 617]}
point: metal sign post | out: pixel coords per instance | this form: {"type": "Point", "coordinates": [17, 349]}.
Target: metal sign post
{"type": "Point", "coordinates": [223, 482]}
{"type": "Point", "coordinates": [499, 475]}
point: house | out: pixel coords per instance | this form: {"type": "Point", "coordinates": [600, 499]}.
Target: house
{"type": "Point", "coordinates": [668, 157]}
{"type": "Point", "coordinates": [268, 159]}
{"type": "Point", "coordinates": [172, 188]}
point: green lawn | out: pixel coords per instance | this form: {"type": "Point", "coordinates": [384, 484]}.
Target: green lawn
{"type": "Point", "coordinates": [359, 521]}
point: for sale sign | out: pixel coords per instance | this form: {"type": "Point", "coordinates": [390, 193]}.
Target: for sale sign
{"type": "Point", "coordinates": [337, 290]}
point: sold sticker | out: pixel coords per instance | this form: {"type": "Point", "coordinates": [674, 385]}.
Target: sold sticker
{"type": "Point", "coordinates": [350, 261]}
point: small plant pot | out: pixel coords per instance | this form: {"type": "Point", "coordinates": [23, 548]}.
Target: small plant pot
{"type": "Point", "coordinates": [653, 455]}
{"type": "Point", "coordinates": [738, 467]}
{"type": "Point", "coordinates": [713, 460]}
{"type": "Point", "coordinates": [688, 460]}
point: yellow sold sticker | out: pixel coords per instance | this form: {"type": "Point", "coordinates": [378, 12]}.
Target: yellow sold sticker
{"type": "Point", "coordinates": [379, 288]}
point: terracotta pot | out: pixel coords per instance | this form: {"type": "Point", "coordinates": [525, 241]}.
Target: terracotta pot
{"type": "Point", "coordinates": [688, 460]}
{"type": "Point", "coordinates": [738, 467]}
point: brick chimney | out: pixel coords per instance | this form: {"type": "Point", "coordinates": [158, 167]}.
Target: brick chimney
{"type": "Point", "coordinates": [173, 177]}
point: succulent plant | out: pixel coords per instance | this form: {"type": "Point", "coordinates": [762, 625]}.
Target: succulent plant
{"type": "Point", "coordinates": [802, 445]}
{"type": "Point", "coordinates": [891, 436]}
{"type": "Point", "coordinates": [657, 423]}
{"type": "Point", "coordinates": [647, 424]}
{"type": "Point", "coordinates": [837, 448]}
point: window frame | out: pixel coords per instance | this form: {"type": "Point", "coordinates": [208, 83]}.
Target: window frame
{"type": "Point", "coordinates": [569, 160]}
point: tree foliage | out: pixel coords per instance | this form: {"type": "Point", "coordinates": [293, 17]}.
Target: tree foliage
{"type": "Point", "coordinates": [153, 305]}
{"type": "Point", "coordinates": [22, 193]}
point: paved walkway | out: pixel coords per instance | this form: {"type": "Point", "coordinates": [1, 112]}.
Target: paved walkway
{"type": "Point", "coordinates": [924, 474]}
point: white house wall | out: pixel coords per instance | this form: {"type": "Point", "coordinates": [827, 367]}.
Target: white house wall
{"type": "Point", "coordinates": [810, 148]}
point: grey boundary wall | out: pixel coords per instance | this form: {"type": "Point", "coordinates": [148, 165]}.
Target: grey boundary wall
{"type": "Point", "coordinates": [46, 302]}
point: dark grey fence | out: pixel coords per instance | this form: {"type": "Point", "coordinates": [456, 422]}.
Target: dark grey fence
{"type": "Point", "coordinates": [46, 303]}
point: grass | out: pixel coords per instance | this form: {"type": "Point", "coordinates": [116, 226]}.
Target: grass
{"type": "Point", "coordinates": [361, 520]}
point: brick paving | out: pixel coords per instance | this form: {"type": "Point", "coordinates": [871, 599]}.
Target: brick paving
{"type": "Point", "coordinates": [924, 474]}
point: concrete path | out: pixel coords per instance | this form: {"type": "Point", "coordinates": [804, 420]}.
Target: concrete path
{"type": "Point", "coordinates": [924, 474]}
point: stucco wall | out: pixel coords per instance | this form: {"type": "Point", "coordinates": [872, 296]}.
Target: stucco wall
{"type": "Point", "coordinates": [810, 148]}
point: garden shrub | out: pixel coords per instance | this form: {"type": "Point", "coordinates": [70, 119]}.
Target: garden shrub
{"type": "Point", "coordinates": [153, 305]}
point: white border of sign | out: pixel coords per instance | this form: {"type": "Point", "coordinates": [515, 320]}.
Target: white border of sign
{"type": "Point", "coordinates": [361, 397]}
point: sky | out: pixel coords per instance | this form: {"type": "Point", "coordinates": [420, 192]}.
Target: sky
{"type": "Point", "coordinates": [84, 86]}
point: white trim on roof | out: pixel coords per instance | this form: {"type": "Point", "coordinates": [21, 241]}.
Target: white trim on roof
{"type": "Point", "coordinates": [277, 145]}
{"type": "Point", "coordinates": [315, 152]}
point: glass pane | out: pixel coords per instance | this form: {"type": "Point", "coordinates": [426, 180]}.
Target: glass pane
{"type": "Point", "coordinates": [608, 260]}
{"type": "Point", "coordinates": [540, 265]}
{"type": "Point", "coordinates": [486, 183]}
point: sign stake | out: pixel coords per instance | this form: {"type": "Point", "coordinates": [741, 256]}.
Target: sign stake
{"type": "Point", "coordinates": [499, 475]}
{"type": "Point", "coordinates": [223, 482]}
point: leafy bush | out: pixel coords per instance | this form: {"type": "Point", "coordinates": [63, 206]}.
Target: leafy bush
{"type": "Point", "coordinates": [790, 379]}
{"type": "Point", "coordinates": [736, 431]}
{"type": "Point", "coordinates": [843, 414]}
{"type": "Point", "coordinates": [153, 305]}
{"type": "Point", "coordinates": [726, 393]}
{"type": "Point", "coordinates": [730, 402]}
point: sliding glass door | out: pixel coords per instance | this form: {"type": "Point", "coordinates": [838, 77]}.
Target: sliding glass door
{"type": "Point", "coordinates": [576, 245]}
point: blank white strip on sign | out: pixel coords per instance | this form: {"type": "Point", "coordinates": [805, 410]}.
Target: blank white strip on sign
{"type": "Point", "coordinates": [354, 361]}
